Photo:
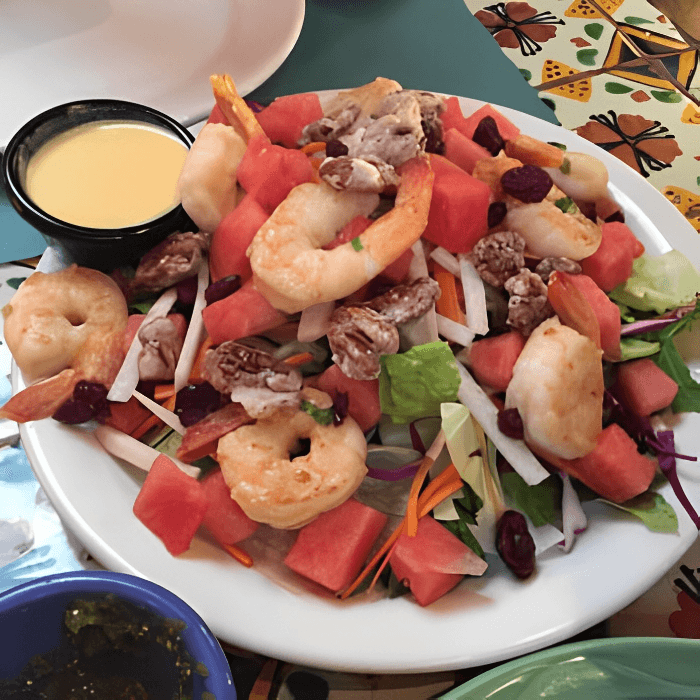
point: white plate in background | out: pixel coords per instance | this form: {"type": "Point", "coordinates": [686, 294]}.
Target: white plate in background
{"type": "Point", "coordinates": [159, 53]}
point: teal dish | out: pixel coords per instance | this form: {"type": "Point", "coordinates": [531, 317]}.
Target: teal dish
{"type": "Point", "coordinates": [599, 669]}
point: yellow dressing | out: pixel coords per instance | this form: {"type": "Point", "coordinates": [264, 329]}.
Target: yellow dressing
{"type": "Point", "coordinates": [107, 174]}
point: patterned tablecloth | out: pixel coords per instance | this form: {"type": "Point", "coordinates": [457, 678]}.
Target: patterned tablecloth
{"type": "Point", "coordinates": [618, 72]}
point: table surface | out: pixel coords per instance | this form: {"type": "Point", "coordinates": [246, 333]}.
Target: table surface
{"type": "Point", "coordinates": [618, 72]}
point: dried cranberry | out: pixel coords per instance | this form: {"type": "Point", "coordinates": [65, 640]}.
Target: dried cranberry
{"type": "Point", "coordinates": [487, 135]}
{"type": "Point", "coordinates": [497, 212]}
{"type": "Point", "coordinates": [222, 288]}
{"type": "Point", "coordinates": [433, 137]}
{"type": "Point", "coordinates": [618, 215]}
{"type": "Point", "coordinates": [89, 402]}
{"type": "Point", "coordinates": [510, 423]}
{"type": "Point", "coordinates": [341, 403]}
{"type": "Point", "coordinates": [196, 401]}
{"type": "Point", "coordinates": [515, 545]}
{"type": "Point", "coordinates": [187, 291]}
{"type": "Point", "coordinates": [335, 149]}
{"type": "Point", "coordinates": [528, 183]}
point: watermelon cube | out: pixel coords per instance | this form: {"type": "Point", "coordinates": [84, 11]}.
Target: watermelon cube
{"type": "Point", "coordinates": [171, 504]}
{"type": "Point", "coordinates": [606, 311]}
{"type": "Point", "coordinates": [227, 255]}
{"type": "Point", "coordinates": [433, 562]}
{"type": "Point", "coordinates": [614, 469]}
{"type": "Point", "coordinates": [363, 395]}
{"type": "Point", "coordinates": [241, 314]}
{"type": "Point", "coordinates": [611, 264]}
{"type": "Point", "coordinates": [644, 387]}
{"type": "Point", "coordinates": [458, 215]}
{"type": "Point", "coordinates": [332, 549]}
{"type": "Point", "coordinates": [224, 518]}
{"type": "Point", "coordinates": [462, 151]}
{"type": "Point", "coordinates": [284, 119]}
{"type": "Point", "coordinates": [492, 359]}
{"type": "Point", "coordinates": [269, 172]}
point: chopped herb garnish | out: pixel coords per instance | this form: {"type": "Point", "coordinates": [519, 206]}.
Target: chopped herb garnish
{"type": "Point", "coordinates": [14, 282]}
{"type": "Point", "coordinates": [567, 205]}
{"type": "Point", "coordinates": [565, 166]}
{"type": "Point", "coordinates": [356, 243]}
{"type": "Point", "coordinates": [560, 146]}
{"type": "Point", "coordinates": [323, 416]}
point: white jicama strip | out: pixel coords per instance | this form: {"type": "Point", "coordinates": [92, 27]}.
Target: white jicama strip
{"type": "Point", "coordinates": [573, 517]}
{"type": "Point", "coordinates": [453, 331]}
{"type": "Point", "coordinates": [195, 331]}
{"type": "Point", "coordinates": [447, 260]}
{"type": "Point", "coordinates": [545, 536]}
{"type": "Point", "coordinates": [135, 452]}
{"type": "Point", "coordinates": [168, 417]}
{"type": "Point", "coordinates": [424, 329]}
{"type": "Point", "coordinates": [128, 375]}
{"type": "Point", "coordinates": [315, 321]}
{"type": "Point", "coordinates": [474, 297]}
{"type": "Point", "coordinates": [516, 452]}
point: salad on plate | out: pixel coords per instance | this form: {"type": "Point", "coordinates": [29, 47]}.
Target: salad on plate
{"type": "Point", "coordinates": [398, 339]}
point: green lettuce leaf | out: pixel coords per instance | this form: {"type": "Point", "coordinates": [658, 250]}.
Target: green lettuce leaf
{"type": "Point", "coordinates": [659, 283]}
{"type": "Point", "coordinates": [413, 384]}
{"type": "Point", "coordinates": [541, 503]}
{"type": "Point", "coordinates": [652, 509]}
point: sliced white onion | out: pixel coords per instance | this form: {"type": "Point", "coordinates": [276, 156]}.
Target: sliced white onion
{"type": "Point", "coordinates": [516, 452]}
{"type": "Point", "coordinates": [168, 417]}
{"type": "Point", "coordinates": [424, 329]}
{"type": "Point", "coordinates": [315, 321]}
{"type": "Point", "coordinates": [453, 331]}
{"type": "Point", "coordinates": [447, 260]}
{"type": "Point", "coordinates": [195, 331]}
{"type": "Point", "coordinates": [128, 376]}
{"type": "Point", "coordinates": [474, 297]}
{"type": "Point", "coordinates": [573, 517]}
{"type": "Point", "coordinates": [133, 451]}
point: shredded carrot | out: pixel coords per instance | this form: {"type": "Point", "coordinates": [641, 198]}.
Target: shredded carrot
{"type": "Point", "coordinates": [301, 358]}
{"type": "Point", "coordinates": [197, 371]}
{"type": "Point", "coordinates": [416, 484]}
{"type": "Point", "coordinates": [448, 303]}
{"type": "Point", "coordinates": [239, 554]}
{"type": "Point", "coordinates": [163, 391]}
{"type": "Point", "coordinates": [153, 420]}
{"type": "Point", "coordinates": [313, 147]}
{"type": "Point", "coordinates": [442, 486]}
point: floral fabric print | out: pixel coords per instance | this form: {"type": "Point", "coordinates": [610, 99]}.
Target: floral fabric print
{"type": "Point", "coordinates": [617, 72]}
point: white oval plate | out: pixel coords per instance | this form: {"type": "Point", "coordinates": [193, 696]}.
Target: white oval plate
{"type": "Point", "coordinates": [159, 53]}
{"type": "Point", "coordinates": [612, 563]}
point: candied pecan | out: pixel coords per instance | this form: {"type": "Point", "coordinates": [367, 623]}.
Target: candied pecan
{"type": "Point", "coordinates": [527, 183]}
{"type": "Point", "coordinates": [405, 302]}
{"type": "Point", "coordinates": [161, 347]}
{"type": "Point", "coordinates": [233, 364]}
{"type": "Point", "coordinates": [358, 336]}
{"type": "Point", "coordinates": [498, 256]}
{"type": "Point", "coordinates": [358, 174]}
{"type": "Point", "coordinates": [330, 129]}
{"type": "Point", "coordinates": [528, 305]}
{"type": "Point", "coordinates": [546, 266]}
{"type": "Point", "coordinates": [171, 261]}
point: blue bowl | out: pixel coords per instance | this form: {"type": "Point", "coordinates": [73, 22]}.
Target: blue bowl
{"type": "Point", "coordinates": [31, 617]}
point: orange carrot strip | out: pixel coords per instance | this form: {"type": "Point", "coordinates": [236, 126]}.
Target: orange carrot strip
{"type": "Point", "coordinates": [301, 358]}
{"type": "Point", "coordinates": [239, 554]}
{"type": "Point", "coordinates": [442, 486]}
{"type": "Point", "coordinates": [412, 505]}
{"type": "Point", "coordinates": [153, 420]}
{"type": "Point", "coordinates": [313, 147]}
{"type": "Point", "coordinates": [163, 391]}
{"type": "Point", "coordinates": [197, 372]}
{"type": "Point", "coordinates": [448, 303]}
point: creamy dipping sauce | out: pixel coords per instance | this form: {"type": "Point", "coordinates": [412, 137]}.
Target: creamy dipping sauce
{"type": "Point", "coordinates": [107, 174]}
